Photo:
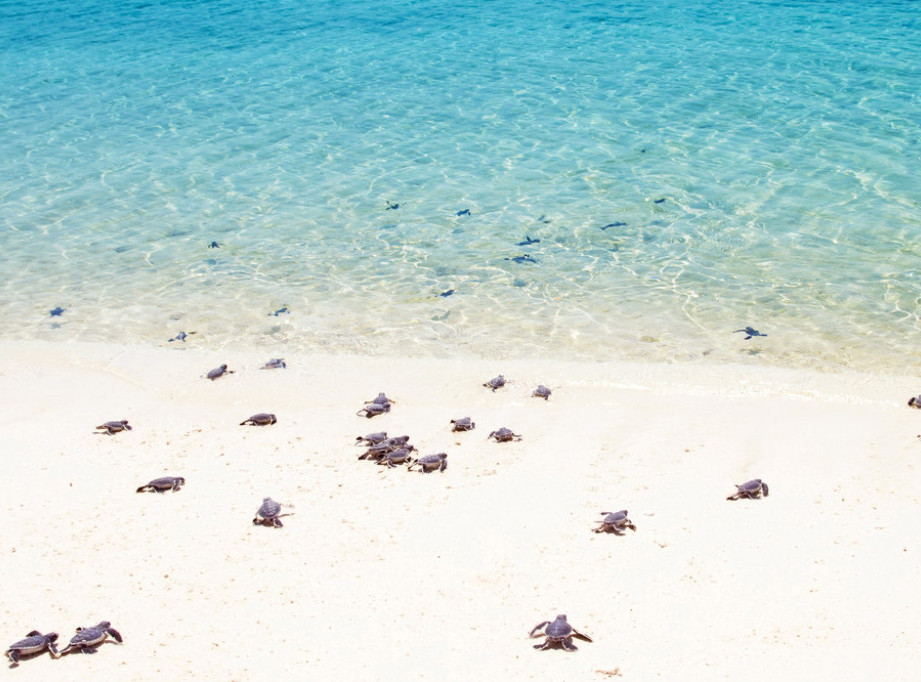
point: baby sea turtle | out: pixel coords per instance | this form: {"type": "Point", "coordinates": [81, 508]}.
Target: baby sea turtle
{"type": "Point", "coordinates": [615, 522]}
{"type": "Point", "coordinates": [218, 372]}
{"type": "Point", "coordinates": [915, 401]}
{"type": "Point", "coordinates": [528, 241]}
{"type": "Point", "coordinates": [749, 333]}
{"type": "Point", "coordinates": [161, 485]}
{"type": "Point", "coordinates": [394, 457]}
{"type": "Point", "coordinates": [495, 382]}
{"type": "Point", "coordinates": [181, 336]}
{"type": "Point", "coordinates": [269, 514]}
{"type": "Point", "coordinates": [372, 408]}
{"type": "Point", "coordinates": [261, 419]}
{"type": "Point", "coordinates": [383, 447]}
{"type": "Point", "coordinates": [751, 489]}
{"type": "Point", "coordinates": [558, 633]}
{"type": "Point", "coordinates": [112, 427]}
{"type": "Point", "coordinates": [463, 212]}
{"type": "Point", "coordinates": [391, 206]}
{"type": "Point", "coordinates": [429, 463]}
{"type": "Point", "coordinates": [504, 435]}
{"type": "Point", "coordinates": [57, 312]}
{"type": "Point", "coordinates": [463, 424]}
{"type": "Point", "coordinates": [87, 639]}
{"type": "Point", "coordinates": [541, 392]}
{"type": "Point", "coordinates": [523, 258]}
{"type": "Point", "coordinates": [281, 311]}
{"type": "Point", "coordinates": [275, 363]}
{"type": "Point", "coordinates": [33, 644]}
{"type": "Point", "coordinates": [371, 438]}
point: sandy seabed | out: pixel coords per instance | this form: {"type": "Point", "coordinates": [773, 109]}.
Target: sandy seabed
{"type": "Point", "coordinates": [384, 574]}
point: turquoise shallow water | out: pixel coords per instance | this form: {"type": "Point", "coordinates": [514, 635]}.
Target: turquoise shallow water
{"type": "Point", "coordinates": [689, 167]}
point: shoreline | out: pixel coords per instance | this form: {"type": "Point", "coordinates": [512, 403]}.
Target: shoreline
{"type": "Point", "coordinates": [385, 574]}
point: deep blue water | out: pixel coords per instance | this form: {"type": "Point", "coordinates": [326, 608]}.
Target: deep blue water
{"type": "Point", "coordinates": [689, 167]}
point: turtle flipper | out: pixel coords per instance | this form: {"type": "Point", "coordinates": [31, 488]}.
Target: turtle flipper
{"type": "Point", "coordinates": [764, 489]}
{"type": "Point", "coordinates": [567, 644]}
{"type": "Point", "coordinates": [584, 638]}
{"type": "Point", "coordinates": [541, 626]}
{"type": "Point", "coordinates": [114, 634]}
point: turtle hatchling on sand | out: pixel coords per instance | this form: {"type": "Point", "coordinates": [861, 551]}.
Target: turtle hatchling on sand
{"type": "Point", "coordinates": [751, 489]}
{"type": "Point", "coordinates": [218, 372]}
{"type": "Point", "coordinates": [274, 363]}
{"type": "Point", "coordinates": [373, 409]}
{"type": "Point", "coordinates": [394, 457]}
{"type": "Point", "coordinates": [463, 424]}
{"type": "Point", "coordinates": [380, 449]}
{"type": "Point", "coordinates": [114, 427]}
{"type": "Point", "coordinates": [371, 438]}
{"type": "Point", "coordinates": [915, 401]}
{"type": "Point", "coordinates": [161, 485]}
{"type": "Point", "coordinates": [504, 435]}
{"type": "Point", "coordinates": [615, 522]}
{"type": "Point", "coordinates": [261, 419]}
{"type": "Point", "coordinates": [558, 633]}
{"type": "Point", "coordinates": [495, 382]}
{"type": "Point", "coordinates": [541, 392]}
{"type": "Point", "coordinates": [33, 644]}
{"type": "Point", "coordinates": [269, 514]}
{"type": "Point", "coordinates": [429, 463]}
{"type": "Point", "coordinates": [87, 639]}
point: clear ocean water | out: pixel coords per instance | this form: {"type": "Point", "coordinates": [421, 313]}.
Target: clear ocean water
{"type": "Point", "coordinates": [581, 180]}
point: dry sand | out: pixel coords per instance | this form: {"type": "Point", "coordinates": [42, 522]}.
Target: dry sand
{"type": "Point", "coordinates": [392, 575]}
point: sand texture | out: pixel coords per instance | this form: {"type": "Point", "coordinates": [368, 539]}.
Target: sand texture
{"type": "Point", "coordinates": [384, 574]}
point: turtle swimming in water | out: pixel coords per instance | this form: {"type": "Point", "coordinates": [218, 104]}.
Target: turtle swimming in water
{"type": "Point", "coordinates": [218, 372]}
{"type": "Point", "coordinates": [541, 392]}
{"type": "Point", "coordinates": [558, 633]}
{"type": "Point", "coordinates": [504, 435]}
{"type": "Point", "coordinates": [752, 489]}
{"type": "Point", "coordinates": [749, 333]}
{"type": "Point", "coordinates": [87, 639]}
{"type": "Point", "coordinates": [463, 424]}
{"type": "Point", "coordinates": [261, 419]}
{"type": "Point", "coordinates": [495, 382]}
{"type": "Point", "coordinates": [110, 428]}
{"type": "Point", "coordinates": [161, 485]}
{"type": "Point", "coordinates": [33, 644]}
{"type": "Point", "coordinates": [429, 463]}
{"type": "Point", "coordinates": [615, 522]}
{"type": "Point", "coordinates": [269, 514]}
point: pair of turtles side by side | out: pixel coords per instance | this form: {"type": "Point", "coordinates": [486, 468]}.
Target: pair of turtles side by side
{"type": "Point", "coordinates": [615, 522]}
{"type": "Point", "coordinates": [495, 383]}
{"type": "Point", "coordinates": [504, 435]}
{"type": "Point", "coordinates": [751, 490]}
{"type": "Point", "coordinates": [218, 372]}
{"type": "Point", "coordinates": [430, 463]}
{"type": "Point", "coordinates": [463, 424]}
{"type": "Point", "coordinates": [260, 419]}
{"type": "Point", "coordinates": [269, 514]}
{"type": "Point", "coordinates": [161, 485]}
{"type": "Point", "coordinates": [558, 634]}
{"type": "Point", "coordinates": [382, 447]}
{"type": "Point", "coordinates": [32, 645]}
{"type": "Point", "coordinates": [90, 638]}
{"type": "Point", "coordinates": [113, 427]}
{"type": "Point", "coordinates": [372, 408]}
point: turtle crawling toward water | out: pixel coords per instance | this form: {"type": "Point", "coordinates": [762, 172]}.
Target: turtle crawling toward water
{"type": "Point", "coordinates": [504, 435]}
{"type": "Point", "coordinates": [33, 644]}
{"type": "Point", "coordinates": [87, 639]}
{"type": "Point", "coordinates": [463, 424]}
{"type": "Point", "coordinates": [113, 427]}
{"type": "Point", "coordinates": [915, 401]}
{"type": "Point", "coordinates": [429, 463]}
{"type": "Point", "coordinates": [384, 447]}
{"type": "Point", "coordinates": [495, 382]}
{"type": "Point", "coordinates": [275, 363]}
{"type": "Point", "coordinates": [558, 633]}
{"type": "Point", "coordinates": [541, 392]}
{"type": "Point", "coordinates": [752, 489]}
{"type": "Point", "coordinates": [394, 457]}
{"type": "Point", "coordinates": [615, 522]}
{"type": "Point", "coordinates": [261, 419]}
{"type": "Point", "coordinates": [161, 485]}
{"type": "Point", "coordinates": [269, 514]}
{"type": "Point", "coordinates": [218, 372]}
{"type": "Point", "coordinates": [371, 438]}
{"type": "Point", "coordinates": [372, 408]}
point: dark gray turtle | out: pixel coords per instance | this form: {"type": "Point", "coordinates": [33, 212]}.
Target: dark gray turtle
{"type": "Point", "coordinates": [57, 312]}
{"type": "Point", "coordinates": [261, 419]}
{"type": "Point", "coordinates": [495, 382]}
{"type": "Point", "coordinates": [429, 463]}
{"type": "Point", "coordinates": [615, 522]}
{"type": "Point", "coordinates": [394, 457]}
{"type": "Point", "coordinates": [371, 438]}
{"type": "Point", "coordinates": [504, 435]}
{"type": "Point", "coordinates": [275, 363]}
{"type": "Point", "coordinates": [915, 401]}
{"type": "Point", "coordinates": [463, 424]}
{"type": "Point", "coordinates": [749, 333]}
{"type": "Point", "coordinates": [558, 633]}
{"type": "Point", "coordinates": [751, 489]}
{"type": "Point", "coordinates": [218, 372]}
{"type": "Point", "coordinates": [161, 485]}
{"type": "Point", "coordinates": [87, 639]}
{"type": "Point", "coordinates": [378, 450]}
{"type": "Point", "coordinates": [541, 392]}
{"type": "Point", "coordinates": [114, 427]}
{"type": "Point", "coordinates": [33, 644]}
{"type": "Point", "coordinates": [373, 409]}
{"type": "Point", "coordinates": [269, 514]}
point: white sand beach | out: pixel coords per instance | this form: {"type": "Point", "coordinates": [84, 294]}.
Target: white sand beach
{"type": "Point", "coordinates": [384, 574]}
